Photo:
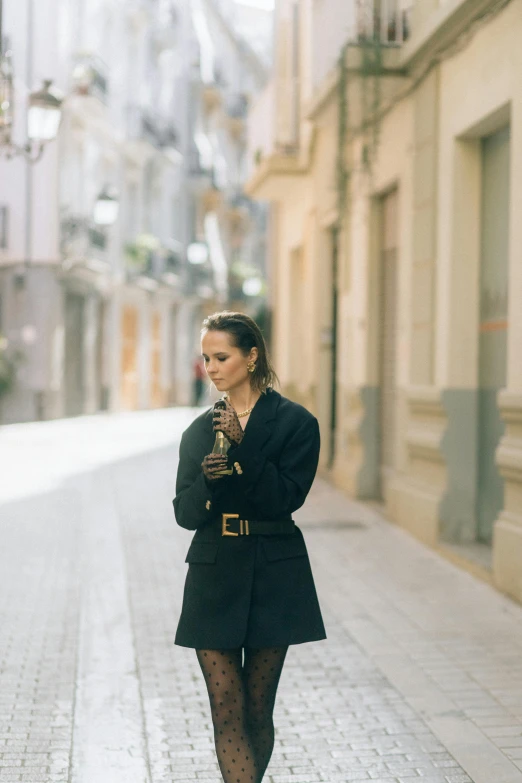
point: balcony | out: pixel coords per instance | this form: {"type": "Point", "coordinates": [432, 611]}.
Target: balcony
{"type": "Point", "coordinates": [371, 34]}
{"type": "Point", "coordinates": [169, 136]}
{"type": "Point", "coordinates": [234, 115]}
{"type": "Point", "coordinates": [384, 21]}
{"type": "Point", "coordinates": [90, 76]}
{"type": "Point", "coordinates": [81, 239]}
{"type": "Point", "coordinates": [144, 126]}
{"type": "Point", "coordinates": [147, 257]}
{"type": "Point", "coordinates": [195, 166]}
{"type": "Point", "coordinates": [212, 97]}
{"type": "Point", "coordinates": [141, 126]}
{"type": "Point", "coordinates": [201, 167]}
{"type": "Point", "coordinates": [236, 105]}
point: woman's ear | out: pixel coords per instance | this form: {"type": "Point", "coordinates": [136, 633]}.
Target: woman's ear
{"type": "Point", "coordinates": [254, 354]}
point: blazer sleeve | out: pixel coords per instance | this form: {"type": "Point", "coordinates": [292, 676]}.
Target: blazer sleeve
{"type": "Point", "coordinates": [278, 490]}
{"type": "Point", "coordinates": [194, 494]}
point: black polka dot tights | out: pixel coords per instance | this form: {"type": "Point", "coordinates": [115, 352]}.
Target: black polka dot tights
{"type": "Point", "coordinates": [242, 698]}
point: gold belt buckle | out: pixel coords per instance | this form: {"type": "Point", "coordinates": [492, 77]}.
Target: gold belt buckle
{"type": "Point", "coordinates": [243, 525]}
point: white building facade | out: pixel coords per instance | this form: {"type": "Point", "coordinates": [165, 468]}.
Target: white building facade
{"type": "Point", "coordinates": [93, 310]}
{"type": "Point", "coordinates": [107, 317]}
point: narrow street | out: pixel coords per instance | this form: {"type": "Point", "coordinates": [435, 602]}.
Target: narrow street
{"type": "Point", "coordinates": [420, 677]}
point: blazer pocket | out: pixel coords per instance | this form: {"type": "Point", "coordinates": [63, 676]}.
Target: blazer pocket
{"type": "Point", "coordinates": [276, 548]}
{"type": "Point", "coordinates": [202, 552]}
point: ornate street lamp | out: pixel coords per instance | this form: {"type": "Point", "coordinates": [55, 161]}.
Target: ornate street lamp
{"type": "Point", "coordinates": [106, 207]}
{"type": "Point", "coordinates": [44, 112]}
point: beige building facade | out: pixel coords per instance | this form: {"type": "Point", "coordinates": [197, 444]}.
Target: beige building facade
{"type": "Point", "coordinates": [395, 177]}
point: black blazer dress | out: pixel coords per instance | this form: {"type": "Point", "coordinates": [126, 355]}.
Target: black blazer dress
{"type": "Point", "coordinates": [250, 590]}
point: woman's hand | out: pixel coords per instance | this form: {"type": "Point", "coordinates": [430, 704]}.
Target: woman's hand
{"type": "Point", "coordinates": [228, 422]}
{"type": "Point", "coordinates": [213, 463]}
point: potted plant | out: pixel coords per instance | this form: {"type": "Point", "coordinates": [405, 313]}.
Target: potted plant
{"type": "Point", "coordinates": [139, 253]}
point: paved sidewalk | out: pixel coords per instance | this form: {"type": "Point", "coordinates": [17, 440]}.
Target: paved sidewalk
{"type": "Point", "coordinates": [449, 645]}
{"type": "Point", "coordinates": [420, 677]}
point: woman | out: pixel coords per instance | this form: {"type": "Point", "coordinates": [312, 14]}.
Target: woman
{"type": "Point", "coordinates": [249, 583]}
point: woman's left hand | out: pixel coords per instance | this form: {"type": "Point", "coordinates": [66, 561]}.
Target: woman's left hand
{"type": "Point", "coordinates": [227, 421]}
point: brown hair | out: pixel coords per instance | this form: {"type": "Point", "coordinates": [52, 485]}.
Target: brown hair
{"type": "Point", "coordinates": [245, 334]}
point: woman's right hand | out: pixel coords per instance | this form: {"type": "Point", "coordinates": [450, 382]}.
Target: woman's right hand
{"type": "Point", "coordinates": [213, 463]}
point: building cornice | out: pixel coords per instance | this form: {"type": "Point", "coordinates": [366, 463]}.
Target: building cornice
{"type": "Point", "coordinates": [447, 29]}
{"type": "Point", "coordinates": [449, 25]}
{"type": "Point", "coordinates": [444, 26]}
{"type": "Point", "coordinates": [274, 166]}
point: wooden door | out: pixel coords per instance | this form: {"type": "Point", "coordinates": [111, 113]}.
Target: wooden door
{"type": "Point", "coordinates": [129, 358]}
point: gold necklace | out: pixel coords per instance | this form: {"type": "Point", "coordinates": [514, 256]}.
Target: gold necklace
{"type": "Point", "coordinates": [245, 413]}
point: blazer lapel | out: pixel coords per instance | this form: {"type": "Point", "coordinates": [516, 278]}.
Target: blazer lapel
{"type": "Point", "coordinates": [262, 419]}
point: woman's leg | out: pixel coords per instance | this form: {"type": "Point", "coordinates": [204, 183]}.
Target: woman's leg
{"type": "Point", "coordinates": [261, 673]}
{"type": "Point", "coordinates": [223, 675]}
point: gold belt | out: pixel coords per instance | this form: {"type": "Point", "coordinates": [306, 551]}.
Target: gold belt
{"type": "Point", "coordinates": [243, 525]}
{"type": "Point", "coordinates": [255, 526]}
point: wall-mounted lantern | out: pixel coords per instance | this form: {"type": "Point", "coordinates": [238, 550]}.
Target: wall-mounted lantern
{"type": "Point", "coordinates": [106, 207]}
{"type": "Point", "coordinates": [44, 113]}
{"type": "Point", "coordinates": [197, 253]}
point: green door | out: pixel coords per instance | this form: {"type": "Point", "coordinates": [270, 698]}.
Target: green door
{"type": "Point", "coordinates": [74, 354]}
{"type": "Point", "coordinates": [493, 325]}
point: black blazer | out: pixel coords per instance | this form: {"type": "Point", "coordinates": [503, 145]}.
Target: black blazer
{"type": "Point", "coordinates": [255, 590]}
{"type": "Point", "coordinates": [278, 457]}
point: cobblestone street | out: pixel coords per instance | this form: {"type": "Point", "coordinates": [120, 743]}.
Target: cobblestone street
{"type": "Point", "coordinates": [420, 677]}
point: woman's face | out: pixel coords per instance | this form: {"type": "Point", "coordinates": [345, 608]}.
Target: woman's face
{"type": "Point", "coordinates": [225, 364]}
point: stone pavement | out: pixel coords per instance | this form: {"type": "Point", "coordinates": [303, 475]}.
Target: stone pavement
{"type": "Point", "coordinates": [420, 677]}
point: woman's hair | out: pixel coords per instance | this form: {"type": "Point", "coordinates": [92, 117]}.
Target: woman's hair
{"type": "Point", "coordinates": [245, 335]}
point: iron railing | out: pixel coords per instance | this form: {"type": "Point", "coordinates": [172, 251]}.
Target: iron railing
{"type": "Point", "coordinates": [386, 21]}
{"type": "Point", "coordinates": [236, 105]}
{"type": "Point", "coordinates": [90, 76]}
{"type": "Point", "coordinates": [79, 236]}
{"type": "Point", "coordinates": [144, 125]}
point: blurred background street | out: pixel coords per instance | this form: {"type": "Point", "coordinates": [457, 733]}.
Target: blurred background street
{"type": "Point", "coordinates": [347, 172]}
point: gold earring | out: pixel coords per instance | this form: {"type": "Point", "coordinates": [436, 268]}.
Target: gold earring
{"type": "Point", "coordinates": [251, 366]}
